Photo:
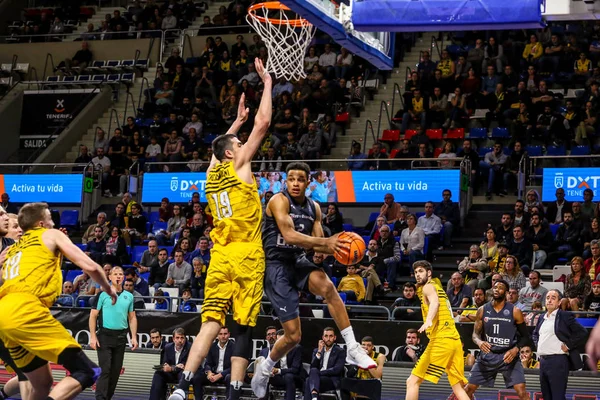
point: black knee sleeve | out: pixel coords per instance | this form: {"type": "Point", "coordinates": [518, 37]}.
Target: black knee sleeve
{"type": "Point", "coordinates": [81, 368]}
{"type": "Point", "coordinates": [243, 342]}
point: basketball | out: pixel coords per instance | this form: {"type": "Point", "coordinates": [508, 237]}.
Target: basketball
{"type": "Point", "coordinates": [357, 249]}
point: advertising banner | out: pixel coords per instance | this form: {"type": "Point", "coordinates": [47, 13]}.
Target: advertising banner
{"type": "Point", "coordinates": [389, 336]}
{"type": "Point", "coordinates": [573, 180]}
{"type": "Point", "coordinates": [51, 188]}
{"type": "Point", "coordinates": [46, 112]}
{"type": "Point", "coordinates": [416, 186]}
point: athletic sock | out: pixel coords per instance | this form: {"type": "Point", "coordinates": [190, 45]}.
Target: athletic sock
{"type": "Point", "coordinates": [235, 390]}
{"type": "Point", "coordinates": [269, 363]}
{"type": "Point", "coordinates": [186, 379]}
{"type": "Point", "coordinates": [348, 335]}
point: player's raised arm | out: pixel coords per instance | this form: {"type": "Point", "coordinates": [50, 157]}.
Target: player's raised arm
{"type": "Point", "coordinates": [262, 119]}
{"type": "Point", "coordinates": [79, 258]}
{"type": "Point", "coordinates": [278, 207]}
{"type": "Point", "coordinates": [431, 295]}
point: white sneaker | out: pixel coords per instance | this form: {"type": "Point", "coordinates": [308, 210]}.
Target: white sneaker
{"type": "Point", "coordinates": [178, 394]}
{"type": "Point", "coordinates": [356, 355]}
{"type": "Point", "coordinates": [260, 380]}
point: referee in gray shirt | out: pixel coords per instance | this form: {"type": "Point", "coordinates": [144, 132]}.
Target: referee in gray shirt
{"type": "Point", "coordinates": [116, 320]}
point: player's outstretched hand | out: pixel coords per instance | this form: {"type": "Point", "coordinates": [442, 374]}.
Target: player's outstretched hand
{"type": "Point", "coordinates": [335, 244]}
{"type": "Point", "coordinates": [113, 295]}
{"type": "Point", "coordinates": [426, 325]}
{"type": "Point", "coordinates": [260, 69]}
{"type": "Point", "coordinates": [592, 348]}
{"type": "Point", "coordinates": [485, 347]}
{"type": "Point", "coordinates": [242, 110]}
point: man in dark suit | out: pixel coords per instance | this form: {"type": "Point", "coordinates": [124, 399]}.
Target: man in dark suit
{"type": "Point", "coordinates": [156, 341]}
{"type": "Point", "coordinates": [217, 369]}
{"type": "Point", "coordinates": [172, 359]}
{"type": "Point", "coordinates": [326, 367]}
{"type": "Point", "coordinates": [288, 373]}
{"type": "Point", "coordinates": [557, 337]}
{"type": "Point", "coordinates": [554, 212]}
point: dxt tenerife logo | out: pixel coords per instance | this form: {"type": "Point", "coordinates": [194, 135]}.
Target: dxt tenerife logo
{"type": "Point", "coordinates": [574, 185]}
{"type": "Point", "coordinates": [186, 187]}
{"type": "Point", "coordinates": [60, 106]}
{"type": "Point", "coordinates": [59, 112]}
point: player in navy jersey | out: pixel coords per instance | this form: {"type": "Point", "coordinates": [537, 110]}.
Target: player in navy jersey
{"type": "Point", "coordinates": [292, 224]}
{"type": "Point", "coordinates": [495, 333]}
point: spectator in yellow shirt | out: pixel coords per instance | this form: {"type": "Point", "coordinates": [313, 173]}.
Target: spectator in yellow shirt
{"type": "Point", "coordinates": [533, 51]}
{"type": "Point", "coordinates": [527, 358]}
{"type": "Point", "coordinates": [352, 284]}
{"type": "Point", "coordinates": [470, 314]}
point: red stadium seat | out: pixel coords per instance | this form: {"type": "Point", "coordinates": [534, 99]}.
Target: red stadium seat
{"type": "Point", "coordinates": [457, 133]}
{"type": "Point", "coordinates": [390, 135]}
{"type": "Point", "coordinates": [437, 151]}
{"type": "Point", "coordinates": [394, 152]}
{"type": "Point", "coordinates": [409, 133]}
{"type": "Point", "coordinates": [434, 134]}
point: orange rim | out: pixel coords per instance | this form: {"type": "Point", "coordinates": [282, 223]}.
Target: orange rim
{"type": "Point", "coordinates": [275, 5]}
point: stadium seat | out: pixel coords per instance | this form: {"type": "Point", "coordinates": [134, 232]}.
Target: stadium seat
{"type": "Point", "coordinates": [158, 226]}
{"type": "Point", "coordinates": [478, 133]}
{"type": "Point", "coordinates": [499, 132]}
{"type": "Point", "coordinates": [554, 229]}
{"type": "Point", "coordinates": [69, 219]}
{"type": "Point", "coordinates": [437, 151]}
{"type": "Point", "coordinates": [137, 253]}
{"type": "Point", "coordinates": [145, 276]}
{"type": "Point", "coordinates": [394, 153]}
{"type": "Point", "coordinates": [534, 151]}
{"type": "Point", "coordinates": [580, 151]}
{"type": "Point", "coordinates": [83, 78]}
{"type": "Point", "coordinates": [111, 78]}
{"type": "Point", "coordinates": [97, 66]}
{"type": "Point", "coordinates": [127, 77]}
{"type": "Point", "coordinates": [366, 239]}
{"type": "Point", "coordinates": [72, 274]}
{"type": "Point", "coordinates": [390, 135]}
{"type": "Point", "coordinates": [456, 133]}
{"type": "Point", "coordinates": [556, 151]}
{"type": "Point", "coordinates": [373, 216]}
{"type": "Point", "coordinates": [434, 134]}
{"type": "Point", "coordinates": [128, 64]}
{"type": "Point", "coordinates": [98, 78]}
{"type": "Point", "coordinates": [81, 246]}
{"type": "Point", "coordinates": [409, 133]}
{"type": "Point", "coordinates": [348, 227]}
{"type": "Point", "coordinates": [153, 217]}
{"type": "Point", "coordinates": [209, 138]}
{"type": "Point", "coordinates": [482, 151]}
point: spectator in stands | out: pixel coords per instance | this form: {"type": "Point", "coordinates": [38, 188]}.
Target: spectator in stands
{"type": "Point", "coordinates": [326, 367]}
{"type": "Point", "coordinates": [57, 27]}
{"type": "Point", "coordinates": [271, 161]}
{"type": "Point", "coordinates": [457, 109]}
{"type": "Point", "coordinates": [470, 314]}
{"type": "Point", "coordinates": [577, 219]}
{"type": "Point", "coordinates": [409, 299]}
{"type": "Point", "coordinates": [431, 225]}
{"type": "Point", "coordinates": [169, 21]}
{"type": "Point", "coordinates": [521, 248]}
{"type": "Point", "coordinates": [534, 292]}
{"type": "Point", "coordinates": [512, 167]}
{"type": "Point", "coordinates": [513, 274]}
{"type": "Point", "coordinates": [184, 244]}
{"type": "Point", "coordinates": [493, 54]}
{"type": "Point", "coordinates": [567, 240]}
{"type": "Point", "coordinates": [367, 382]}
{"type": "Point", "coordinates": [412, 350]}
{"type": "Point", "coordinates": [83, 285]}
{"type": "Point", "coordinates": [592, 300]}
{"type": "Point", "coordinates": [438, 103]}
{"type": "Point", "coordinates": [187, 305]}
{"type": "Point", "coordinates": [473, 267]}
{"type": "Point", "coordinates": [492, 166]}
{"type": "Point", "coordinates": [459, 294]}
{"type": "Point", "coordinates": [578, 285]}
{"type": "Point", "coordinates": [136, 224]}
{"type": "Point", "coordinates": [489, 293]}
{"type": "Point", "coordinates": [149, 258]}
{"type": "Point", "coordinates": [343, 64]}
{"type": "Point", "coordinates": [90, 231]}
{"type": "Point", "coordinates": [103, 164]}
{"type": "Point", "coordinates": [138, 301]}
{"type": "Point", "coordinates": [198, 277]}
{"type": "Point", "coordinates": [327, 61]}
{"type": "Point", "coordinates": [116, 250]}
{"type": "Point", "coordinates": [117, 19]}
{"type": "Point", "coordinates": [175, 223]}
{"type": "Point", "coordinates": [412, 240]}
{"type": "Point", "coordinates": [180, 272]}
{"type": "Point", "coordinates": [66, 298]}
{"type": "Point", "coordinates": [592, 264]}
{"type": "Point", "coordinates": [520, 216]}
{"type": "Point", "coordinates": [468, 152]}
{"type": "Point", "coordinates": [489, 247]}
{"type": "Point", "coordinates": [156, 340]}
{"type": "Point", "coordinates": [96, 247]}
{"type": "Point", "coordinates": [449, 213]}
{"type": "Point", "coordinates": [390, 209]}
{"type": "Point", "coordinates": [159, 271]}
{"type": "Point", "coordinates": [333, 219]}
{"type": "Point", "coordinates": [426, 67]}
{"type": "Point", "coordinates": [588, 207]}
{"type": "Point", "coordinates": [81, 59]}
{"type": "Point", "coordinates": [140, 284]}
{"type": "Point", "coordinates": [356, 154]}
{"type": "Point", "coordinates": [352, 284]}
{"type": "Point", "coordinates": [7, 205]}
{"type": "Point", "coordinates": [401, 223]}
{"type": "Point", "coordinates": [165, 97]}
{"type": "Point", "coordinates": [553, 53]}
{"type": "Point", "coordinates": [173, 359]}
{"type": "Point", "coordinates": [513, 297]}
{"type": "Point", "coordinates": [416, 110]}
{"type": "Point", "coordinates": [532, 317]}
{"type": "Point", "coordinates": [14, 230]}
{"type": "Point", "coordinates": [311, 143]}
{"type": "Point", "coordinates": [193, 124]}
{"type": "Point", "coordinates": [555, 210]}
{"type": "Point", "coordinates": [390, 253]}
{"type": "Point", "coordinates": [532, 52]}
{"type": "Point", "coordinates": [504, 233]}
{"type": "Point", "coordinates": [526, 357]}
{"type": "Point", "coordinates": [540, 237]}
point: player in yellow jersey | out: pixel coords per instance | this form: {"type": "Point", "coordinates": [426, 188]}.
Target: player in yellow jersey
{"type": "Point", "coordinates": [32, 280]}
{"type": "Point", "coordinates": [444, 352]}
{"type": "Point", "coordinates": [237, 264]}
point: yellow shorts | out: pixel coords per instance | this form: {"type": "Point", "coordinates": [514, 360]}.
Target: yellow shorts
{"type": "Point", "coordinates": [31, 330]}
{"type": "Point", "coordinates": [235, 275]}
{"type": "Point", "coordinates": [442, 355]}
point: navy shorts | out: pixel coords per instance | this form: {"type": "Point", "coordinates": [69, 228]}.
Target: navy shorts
{"type": "Point", "coordinates": [489, 365]}
{"type": "Point", "coordinates": [283, 281]}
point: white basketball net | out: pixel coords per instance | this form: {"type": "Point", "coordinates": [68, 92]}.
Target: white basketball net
{"type": "Point", "coordinates": [286, 41]}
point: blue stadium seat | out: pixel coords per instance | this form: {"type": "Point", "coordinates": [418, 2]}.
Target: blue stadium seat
{"type": "Point", "coordinates": [478, 133]}
{"type": "Point", "coordinates": [556, 151]}
{"type": "Point", "coordinates": [145, 276]}
{"type": "Point", "coordinates": [482, 151]}
{"type": "Point", "coordinates": [419, 214]}
{"type": "Point", "coordinates": [69, 219]}
{"type": "Point", "coordinates": [534, 151]}
{"type": "Point", "coordinates": [580, 151]}
{"type": "Point", "coordinates": [587, 322]}
{"type": "Point", "coordinates": [334, 280]}
{"type": "Point", "coordinates": [499, 132]}
{"type": "Point", "coordinates": [158, 225]}
{"type": "Point", "coordinates": [72, 274]}
{"type": "Point", "coordinates": [137, 253]}
{"type": "Point", "coordinates": [366, 239]}
{"type": "Point", "coordinates": [348, 227]}
{"type": "Point", "coordinates": [373, 216]}
{"type": "Point", "coordinates": [554, 229]}
{"type": "Point", "coordinates": [425, 246]}
{"type": "Point", "coordinates": [153, 217]}
{"type": "Point", "coordinates": [209, 138]}
{"type": "Point", "coordinates": [81, 246]}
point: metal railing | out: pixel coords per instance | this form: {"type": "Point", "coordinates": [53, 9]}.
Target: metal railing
{"type": "Point", "coordinates": [408, 73]}
{"type": "Point", "coordinates": [434, 45]}
{"type": "Point", "coordinates": [533, 164]}
{"type": "Point", "coordinates": [50, 58]}
{"type": "Point", "coordinates": [128, 95]}
{"type": "Point", "coordinates": [465, 198]}
{"type": "Point", "coordinates": [434, 163]}
{"type": "Point", "coordinates": [187, 39]}
{"type": "Point", "coordinates": [163, 42]}
{"type": "Point", "coordinates": [113, 111]}
{"type": "Point", "coordinates": [62, 36]}
{"type": "Point", "coordinates": [369, 126]}
{"type": "Point", "coordinates": [383, 105]}
{"type": "Point", "coordinates": [396, 90]}
{"type": "Point", "coordinates": [140, 103]}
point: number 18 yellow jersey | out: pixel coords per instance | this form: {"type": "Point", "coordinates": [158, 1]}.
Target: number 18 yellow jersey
{"type": "Point", "coordinates": [234, 205]}
{"type": "Point", "coordinates": [31, 267]}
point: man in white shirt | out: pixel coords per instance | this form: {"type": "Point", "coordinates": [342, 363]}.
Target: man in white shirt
{"type": "Point", "coordinates": [326, 367]}
{"type": "Point", "coordinates": [251, 76]}
{"type": "Point", "coordinates": [194, 123]}
{"type": "Point", "coordinates": [327, 61]}
{"type": "Point", "coordinates": [217, 369]}
{"type": "Point", "coordinates": [557, 337]}
{"type": "Point", "coordinates": [432, 226]}
{"type": "Point", "coordinates": [101, 162]}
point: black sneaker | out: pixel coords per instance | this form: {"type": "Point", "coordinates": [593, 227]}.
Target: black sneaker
{"type": "Point", "coordinates": [488, 195]}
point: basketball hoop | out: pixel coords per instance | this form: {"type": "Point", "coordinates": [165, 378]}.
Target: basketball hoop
{"type": "Point", "coordinates": [286, 36]}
